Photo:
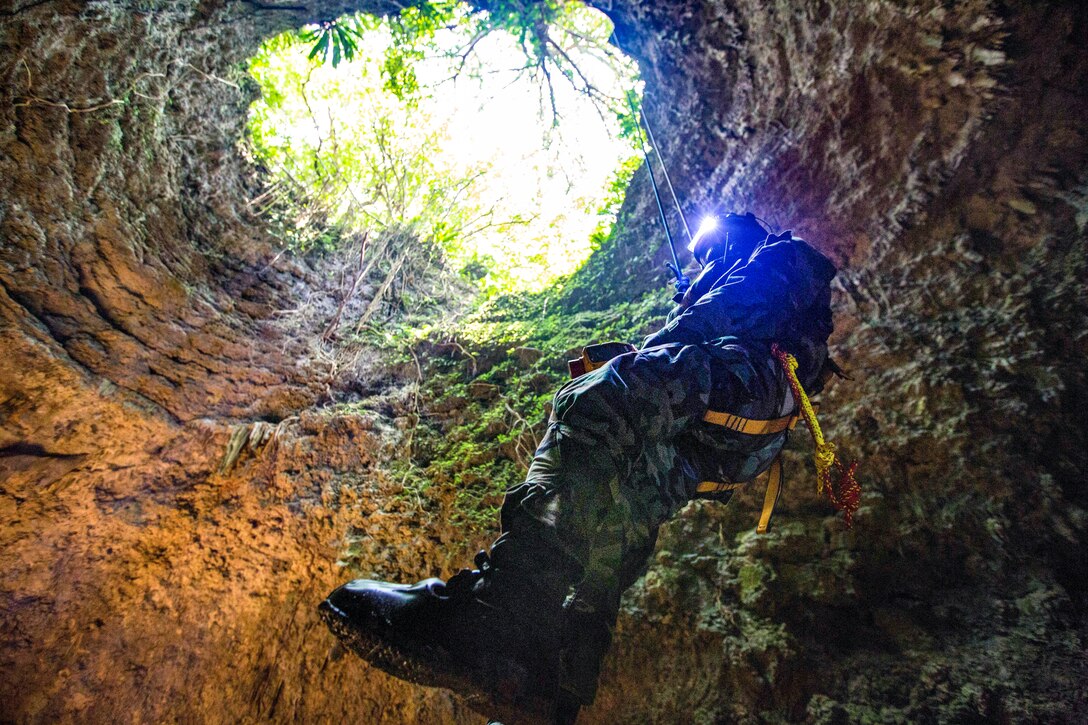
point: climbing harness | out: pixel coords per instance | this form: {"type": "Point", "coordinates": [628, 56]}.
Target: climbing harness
{"type": "Point", "coordinates": [752, 426]}
{"type": "Point", "coordinates": [770, 498]}
{"type": "Point", "coordinates": [845, 497]}
{"type": "Point", "coordinates": [848, 496]}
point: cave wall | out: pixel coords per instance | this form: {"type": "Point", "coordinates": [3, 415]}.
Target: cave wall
{"type": "Point", "coordinates": [935, 150]}
{"type": "Point", "coordinates": [142, 313]}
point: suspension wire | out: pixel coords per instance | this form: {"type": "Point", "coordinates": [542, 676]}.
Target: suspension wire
{"type": "Point", "coordinates": [682, 282]}
{"type": "Point", "coordinates": [665, 172]}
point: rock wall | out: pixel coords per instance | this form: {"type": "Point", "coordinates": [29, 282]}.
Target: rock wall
{"type": "Point", "coordinates": [937, 151]}
{"type": "Point", "coordinates": [143, 318]}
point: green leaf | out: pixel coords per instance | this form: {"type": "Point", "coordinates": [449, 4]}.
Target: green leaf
{"type": "Point", "coordinates": [347, 45]}
{"type": "Point", "coordinates": [321, 47]}
{"type": "Point", "coordinates": [353, 27]}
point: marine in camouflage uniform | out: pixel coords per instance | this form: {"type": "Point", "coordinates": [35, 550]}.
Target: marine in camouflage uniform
{"type": "Point", "coordinates": [625, 449]}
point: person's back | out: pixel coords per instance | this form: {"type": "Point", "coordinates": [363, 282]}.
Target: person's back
{"type": "Point", "coordinates": [628, 445]}
{"type": "Point", "coordinates": [776, 292]}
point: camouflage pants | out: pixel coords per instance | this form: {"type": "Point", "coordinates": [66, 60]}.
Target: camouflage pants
{"type": "Point", "coordinates": [608, 472]}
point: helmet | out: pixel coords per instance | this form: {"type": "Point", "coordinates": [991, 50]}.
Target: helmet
{"type": "Point", "coordinates": [732, 236]}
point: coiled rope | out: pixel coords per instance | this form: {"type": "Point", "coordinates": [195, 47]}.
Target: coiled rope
{"type": "Point", "coordinates": [847, 497]}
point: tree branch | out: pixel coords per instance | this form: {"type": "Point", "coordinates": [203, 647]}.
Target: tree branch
{"type": "Point", "coordinates": [330, 330]}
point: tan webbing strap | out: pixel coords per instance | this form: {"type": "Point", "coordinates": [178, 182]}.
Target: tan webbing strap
{"type": "Point", "coordinates": [718, 487]}
{"type": "Point", "coordinates": [774, 490]}
{"type": "Point", "coordinates": [750, 426]}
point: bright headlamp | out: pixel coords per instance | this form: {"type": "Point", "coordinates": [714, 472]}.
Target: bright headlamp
{"type": "Point", "coordinates": [706, 226]}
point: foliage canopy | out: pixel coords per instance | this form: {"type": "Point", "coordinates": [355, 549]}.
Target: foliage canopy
{"type": "Point", "coordinates": [417, 129]}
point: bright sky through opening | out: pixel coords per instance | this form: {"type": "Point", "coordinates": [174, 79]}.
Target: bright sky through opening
{"type": "Point", "coordinates": [491, 124]}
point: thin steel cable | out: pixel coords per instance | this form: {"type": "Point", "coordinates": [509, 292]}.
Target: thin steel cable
{"type": "Point", "coordinates": [660, 159]}
{"type": "Point", "coordinates": [682, 282]}
{"type": "Point", "coordinates": [665, 171]}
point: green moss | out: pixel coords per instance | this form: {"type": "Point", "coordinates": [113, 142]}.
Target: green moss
{"type": "Point", "coordinates": [483, 405]}
{"type": "Point", "coordinates": [751, 581]}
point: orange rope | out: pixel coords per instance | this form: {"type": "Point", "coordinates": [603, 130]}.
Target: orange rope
{"type": "Point", "coordinates": [848, 497]}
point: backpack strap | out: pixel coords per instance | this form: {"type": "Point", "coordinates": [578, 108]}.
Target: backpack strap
{"type": "Point", "coordinates": [770, 498]}
{"type": "Point", "coordinates": [752, 426]}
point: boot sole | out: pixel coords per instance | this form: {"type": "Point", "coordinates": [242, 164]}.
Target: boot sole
{"type": "Point", "coordinates": [429, 665]}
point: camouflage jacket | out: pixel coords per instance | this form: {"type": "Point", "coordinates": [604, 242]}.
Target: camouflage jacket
{"type": "Point", "coordinates": [781, 294]}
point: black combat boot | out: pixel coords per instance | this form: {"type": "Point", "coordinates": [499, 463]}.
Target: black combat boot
{"type": "Point", "coordinates": [490, 634]}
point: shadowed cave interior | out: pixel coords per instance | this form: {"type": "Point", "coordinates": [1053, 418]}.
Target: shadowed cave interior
{"type": "Point", "coordinates": [188, 463]}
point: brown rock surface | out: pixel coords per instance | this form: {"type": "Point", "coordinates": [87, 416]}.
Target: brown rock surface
{"type": "Point", "coordinates": [936, 149]}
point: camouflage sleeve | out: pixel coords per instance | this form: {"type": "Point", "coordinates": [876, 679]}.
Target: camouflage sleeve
{"type": "Point", "coordinates": [753, 302]}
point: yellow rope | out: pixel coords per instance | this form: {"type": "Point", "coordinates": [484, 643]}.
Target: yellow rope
{"type": "Point", "coordinates": [825, 451]}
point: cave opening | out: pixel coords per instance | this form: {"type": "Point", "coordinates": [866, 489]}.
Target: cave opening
{"type": "Point", "coordinates": [184, 476]}
{"type": "Point", "coordinates": [446, 147]}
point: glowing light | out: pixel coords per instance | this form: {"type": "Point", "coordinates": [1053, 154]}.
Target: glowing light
{"type": "Point", "coordinates": [706, 226]}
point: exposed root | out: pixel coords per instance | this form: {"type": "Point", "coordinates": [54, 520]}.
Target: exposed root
{"type": "Point", "coordinates": [253, 437]}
